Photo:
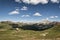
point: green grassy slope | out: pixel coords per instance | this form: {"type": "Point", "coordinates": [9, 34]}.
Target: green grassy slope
{"type": "Point", "coordinates": [49, 34]}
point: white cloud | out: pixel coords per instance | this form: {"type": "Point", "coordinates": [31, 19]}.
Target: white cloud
{"type": "Point", "coordinates": [47, 18]}
{"type": "Point", "coordinates": [19, 1]}
{"type": "Point", "coordinates": [14, 12]}
{"type": "Point", "coordinates": [25, 16]}
{"type": "Point", "coordinates": [37, 14]}
{"type": "Point", "coordinates": [24, 8]}
{"type": "Point", "coordinates": [55, 1]}
{"type": "Point", "coordinates": [53, 16]}
{"type": "Point", "coordinates": [56, 16]}
{"type": "Point", "coordinates": [35, 2]}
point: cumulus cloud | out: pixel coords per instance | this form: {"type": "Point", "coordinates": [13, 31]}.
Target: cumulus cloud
{"type": "Point", "coordinates": [53, 16]}
{"type": "Point", "coordinates": [56, 16]}
{"type": "Point", "coordinates": [25, 16]}
{"type": "Point", "coordinates": [24, 8]}
{"type": "Point", "coordinates": [55, 1]}
{"type": "Point", "coordinates": [35, 2]}
{"type": "Point", "coordinates": [46, 19]}
{"type": "Point", "coordinates": [37, 14]}
{"type": "Point", "coordinates": [19, 1]}
{"type": "Point", "coordinates": [14, 12]}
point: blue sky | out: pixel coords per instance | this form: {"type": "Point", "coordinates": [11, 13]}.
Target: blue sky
{"type": "Point", "coordinates": [29, 10]}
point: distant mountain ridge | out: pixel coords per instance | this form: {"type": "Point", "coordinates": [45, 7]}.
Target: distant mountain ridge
{"type": "Point", "coordinates": [32, 26]}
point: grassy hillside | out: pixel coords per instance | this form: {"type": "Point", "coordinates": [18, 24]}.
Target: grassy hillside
{"type": "Point", "coordinates": [7, 34]}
